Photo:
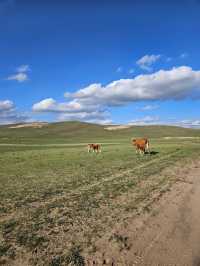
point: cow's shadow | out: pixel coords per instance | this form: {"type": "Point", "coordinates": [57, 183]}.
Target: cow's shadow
{"type": "Point", "coordinates": [152, 152]}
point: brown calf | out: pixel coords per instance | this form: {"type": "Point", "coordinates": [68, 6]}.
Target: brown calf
{"type": "Point", "coordinates": [94, 147]}
{"type": "Point", "coordinates": [141, 145]}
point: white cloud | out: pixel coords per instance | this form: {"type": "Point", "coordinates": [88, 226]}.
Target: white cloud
{"type": "Point", "coordinates": [44, 105]}
{"type": "Point", "coordinates": [21, 74]}
{"type": "Point", "coordinates": [147, 61]}
{"type": "Point", "coordinates": [149, 107]}
{"type": "Point", "coordinates": [6, 105]}
{"type": "Point", "coordinates": [9, 114]}
{"type": "Point", "coordinates": [155, 120]}
{"type": "Point", "coordinates": [20, 77]}
{"type": "Point", "coordinates": [50, 105]}
{"type": "Point", "coordinates": [189, 123]}
{"type": "Point", "coordinates": [23, 68]}
{"type": "Point", "coordinates": [175, 84]}
{"type": "Point", "coordinates": [92, 117]}
{"type": "Point", "coordinates": [73, 110]}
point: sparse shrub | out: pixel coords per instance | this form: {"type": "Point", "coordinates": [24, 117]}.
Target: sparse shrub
{"type": "Point", "coordinates": [4, 249]}
{"type": "Point", "coordinates": [31, 240]}
{"type": "Point", "coordinates": [11, 253]}
{"type": "Point", "coordinates": [57, 261]}
{"type": "Point", "coordinates": [121, 240]}
{"type": "Point", "coordinates": [74, 257]}
{"type": "Point", "coordinates": [3, 210]}
{"type": "Point", "coordinates": [8, 226]}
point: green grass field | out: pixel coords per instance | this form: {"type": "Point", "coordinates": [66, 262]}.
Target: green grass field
{"type": "Point", "coordinates": [57, 200]}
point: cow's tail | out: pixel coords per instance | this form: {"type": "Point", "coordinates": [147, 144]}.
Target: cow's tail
{"type": "Point", "coordinates": [132, 140]}
{"type": "Point", "coordinates": [88, 148]}
{"type": "Point", "coordinates": [99, 148]}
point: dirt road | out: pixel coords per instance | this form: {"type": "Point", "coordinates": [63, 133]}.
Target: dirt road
{"type": "Point", "coordinates": [169, 235]}
{"type": "Point", "coordinates": [173, 236]}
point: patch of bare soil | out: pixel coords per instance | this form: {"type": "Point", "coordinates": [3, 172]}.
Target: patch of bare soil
{"type": "Point", "coordinates": [181, 137]}
{"type": "Point", "coordinates": [32, 125]}
{"type": "Point", "coordinates": [166, 234]}
{"type": "Point", "coordinates": [117, 127]}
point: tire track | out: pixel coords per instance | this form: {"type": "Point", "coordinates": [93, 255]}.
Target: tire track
{"type": "Point", "coordinates": [88, 187]}
{"type": "Point", "coordinates": [84, 188]}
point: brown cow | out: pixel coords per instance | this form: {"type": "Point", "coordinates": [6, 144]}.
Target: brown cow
{"type": "Point", "coordinates": [141, 145]}
{"type": "Point", "coordinates": [94, 147]}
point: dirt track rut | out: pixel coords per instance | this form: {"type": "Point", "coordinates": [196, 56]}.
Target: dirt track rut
{"type": "Point", "coordinates": [169, 236]}
{"type": "Point", "coordinates": [173, 237]}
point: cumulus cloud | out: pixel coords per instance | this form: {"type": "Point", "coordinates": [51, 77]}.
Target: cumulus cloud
{"type": "Point", "coordinates": [177, 83]}
{"type": "Point", "coordinates": [21, 74]}
{"type": "Point", "coordinates": [9, 114]}
{"type": "Point", "coordinates": [92, 117]}
{"type": "Point", "coordinates": [20, 77]}
{"type": "Point", "coordinates": [6, 105]}
{"type": "Point", "coordinates": [155, 120]}
{"type": "Point", "coordinates": [74, 106]}
{"type": "Point", "coordinates": [147, 61]}
{"type": "Point", "coordinates": [96, 99]}
{"type": "Point", "coordinates": [189, 123]}
{"type": "Point", "coordinates": [73, 110]}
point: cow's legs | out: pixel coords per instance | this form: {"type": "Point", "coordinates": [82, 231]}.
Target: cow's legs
{"type": "Point", "coordinates": [148, 150]}
{"type": "Point", "coordinates": [147, 147]}
{"type": "Point", "coordinates": [141, 152]}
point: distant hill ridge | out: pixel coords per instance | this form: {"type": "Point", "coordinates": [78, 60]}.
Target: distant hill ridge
{"type": "Point", "coordinates": [80, 132]}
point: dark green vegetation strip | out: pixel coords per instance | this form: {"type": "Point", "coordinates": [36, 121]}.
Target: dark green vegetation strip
{"type": "Point", "coordinates": [55, 202]}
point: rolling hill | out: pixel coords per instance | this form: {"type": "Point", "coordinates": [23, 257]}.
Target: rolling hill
{"type": "Point", "coordinates": [79, 132]}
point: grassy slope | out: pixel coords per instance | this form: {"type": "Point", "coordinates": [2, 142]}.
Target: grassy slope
{"type": "Point", "coordinates": [75, 132]}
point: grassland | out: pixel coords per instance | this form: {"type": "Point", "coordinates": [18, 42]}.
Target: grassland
{"type": "Point", "coordinates": [57, 200]}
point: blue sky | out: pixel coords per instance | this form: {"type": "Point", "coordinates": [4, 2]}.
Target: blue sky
{"type": "Point", "coordinates": [122, 61]}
